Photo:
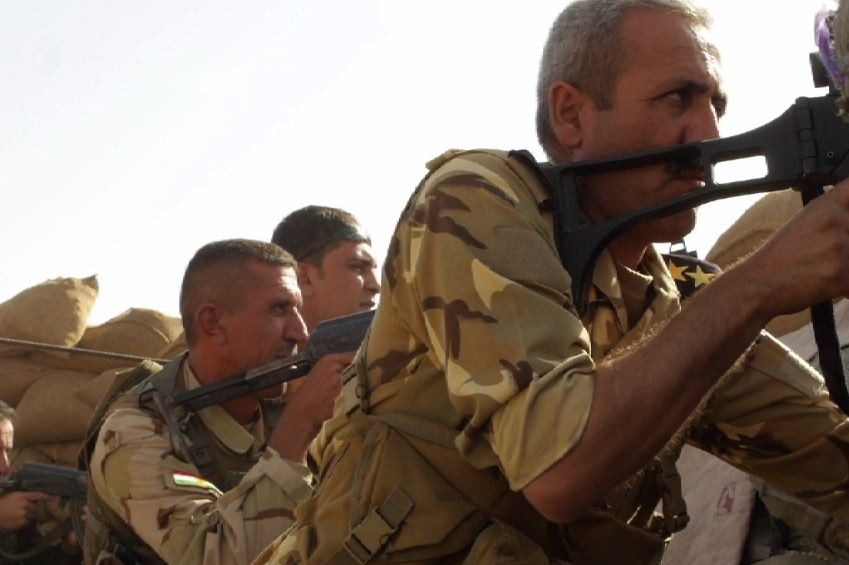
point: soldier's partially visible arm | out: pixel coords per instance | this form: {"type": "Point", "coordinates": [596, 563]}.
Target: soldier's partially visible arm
{"type": "Point", "coordinates": [777, 422]}
{"type": "Point", "coordinates": [184, 519]}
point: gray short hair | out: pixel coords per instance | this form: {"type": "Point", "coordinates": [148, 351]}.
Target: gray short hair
{"type": "Point", "coordinates": [584, 49]}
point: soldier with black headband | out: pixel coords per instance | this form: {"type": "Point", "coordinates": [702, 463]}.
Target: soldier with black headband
{"type": "Point", "coordinates": [336, 265]}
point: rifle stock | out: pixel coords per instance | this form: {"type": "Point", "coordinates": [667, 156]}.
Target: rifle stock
{"type": "Point", "coordinates": [806, 148]}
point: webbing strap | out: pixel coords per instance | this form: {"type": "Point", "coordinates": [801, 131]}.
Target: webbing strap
{"type": "Point", "coordinates": [419, 427]}
{"type": "Point", "coordinates": [675, 516]}
{"type": "Point", "coordinates": [817, 525]}
{"type": "Point", "coordinates": [355, 387]}
{"type": "Point", "coordinates": [185, 429]}
{"type": "Point", "coordinates": [372, 534]}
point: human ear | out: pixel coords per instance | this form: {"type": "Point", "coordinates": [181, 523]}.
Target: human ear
{"type": "Point", "coordinates": [565, 104]}
{"type": "Point", "coordinates": [209, 322]}
{"type": "Point", "coordinates": [306, 275]}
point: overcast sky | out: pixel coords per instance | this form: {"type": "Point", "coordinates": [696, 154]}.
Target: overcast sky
{"type": "Point", "coordinates": [135, 132]}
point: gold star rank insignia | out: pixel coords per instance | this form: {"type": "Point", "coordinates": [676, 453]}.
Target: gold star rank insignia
{"type": "Point", "coordinates": [689, 273]}
{"type": "Point", "coordinates": [700, 278]}
{"type": "Point", "coordinates": [677, 271]}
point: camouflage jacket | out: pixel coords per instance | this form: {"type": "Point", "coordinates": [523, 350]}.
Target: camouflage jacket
{"type": "Point", "coordinates": [171, 506]}
{"type": "Point", "coordinates": [478, 376]}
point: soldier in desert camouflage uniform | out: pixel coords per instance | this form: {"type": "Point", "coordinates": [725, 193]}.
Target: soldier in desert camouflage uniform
{"type": "Point", "coordinates": [218, 487]}
{"type": "Point", "coordinates": [486, 421]}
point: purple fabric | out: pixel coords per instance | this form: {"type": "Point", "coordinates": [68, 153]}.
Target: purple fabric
{"type": "Point", "coordinates": [823, 37]}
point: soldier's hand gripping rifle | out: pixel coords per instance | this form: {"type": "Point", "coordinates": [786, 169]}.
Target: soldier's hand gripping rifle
{"type": "Point", "coordinates": [49, 479]}
{"type": "Point", "coordinates": [806, 147]}
{"type": "Point", "coordinates": [69, 484]}
{"type": "Point", "coordinates": [337, 335]}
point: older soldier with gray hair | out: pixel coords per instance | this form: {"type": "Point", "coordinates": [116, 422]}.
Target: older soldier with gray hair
{"type": "Point", "coordinates": [487, 421]}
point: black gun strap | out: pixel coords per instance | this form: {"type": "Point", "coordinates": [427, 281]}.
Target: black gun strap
{"type": "Point", "coordinates": [826, 337]}
{"type": "Point", "coordinates": [831, 361]}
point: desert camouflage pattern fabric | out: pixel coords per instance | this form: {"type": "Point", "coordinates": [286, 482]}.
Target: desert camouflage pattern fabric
{"type": "Point", "coordinates": [478, 376]}
{"type": "Point", "coordinates": [169, 505]}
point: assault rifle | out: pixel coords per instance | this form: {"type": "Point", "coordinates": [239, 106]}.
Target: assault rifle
{"type": "Point", "coordinates": [69, 484]}
{"type": "Point", "coordinates": [337, 335]}
{"type": "Point", "coordinates": [49, 479]}
{"type": "Point", "coordinates": [806, 148]}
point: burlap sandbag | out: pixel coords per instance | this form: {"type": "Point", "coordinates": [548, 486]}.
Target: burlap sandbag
{"type": "Point", "coordinates": [94, 391]}
{"type": "Point", "coordinates": [50, 410]}
{"type": "Point", "coordinates": [174, 349]}
{"type": "Point", "coordinates": [16, 376]}
{"type": "Point", "coordinates": [63, 454]}
{"type": "Point", "coordinates": [140, 332]}
{"type": "Point", "coordinates": [749, 232]}
{"type": "Point", "coordinates": [54, 312]}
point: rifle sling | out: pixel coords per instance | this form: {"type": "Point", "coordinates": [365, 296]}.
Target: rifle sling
{"type": "Point", "coordinates": [826, 337]}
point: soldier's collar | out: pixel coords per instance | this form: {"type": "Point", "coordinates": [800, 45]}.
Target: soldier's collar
{"type": "Point", "coordinates": [234, 437]}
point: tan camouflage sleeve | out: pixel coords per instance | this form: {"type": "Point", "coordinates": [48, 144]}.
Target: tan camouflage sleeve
{"type": "Point", "coordinates": [183, 518]}
{"type": "Point", "coordinates": [480, 279]}
{"type": "Point", "coordinates": [777, 422]}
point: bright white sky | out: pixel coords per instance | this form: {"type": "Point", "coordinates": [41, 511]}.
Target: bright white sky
{"type": "Point", "coordinates": [132, 133]}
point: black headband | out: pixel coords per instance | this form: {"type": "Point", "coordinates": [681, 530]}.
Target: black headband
{"type": "Point", "coordinates": [347, 233]}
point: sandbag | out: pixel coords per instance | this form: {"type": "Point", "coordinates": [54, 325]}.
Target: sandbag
{"type": "Point", "coordinates": [139, 332]}
{"type": "Point", "coordinates": [50, 411]}
{"type": "Point", "coordinates": [174, 349]}
{"type": "Point", "coordinates": [94, 391]}
{"type": "Point", "coordinates": [16, 376]}
{"type": "Point", "coordinates": [63, 454]}
{"type": "Point", "coordinates": [54, 312]}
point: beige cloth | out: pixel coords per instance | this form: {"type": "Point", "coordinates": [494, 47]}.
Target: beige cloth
{"type": "Point", "coordinates": [719, 500]}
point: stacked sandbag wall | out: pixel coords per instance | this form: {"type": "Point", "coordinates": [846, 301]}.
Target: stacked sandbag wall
{"type": "Point", "coordinates": [55, 391]}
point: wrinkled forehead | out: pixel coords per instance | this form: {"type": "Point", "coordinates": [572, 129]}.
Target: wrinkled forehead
{"type": "Point", "coordinates": [706, 40]}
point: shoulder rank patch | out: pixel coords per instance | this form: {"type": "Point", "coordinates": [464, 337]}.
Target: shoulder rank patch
{"type": "Point", "coordinates": [689, 272]}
